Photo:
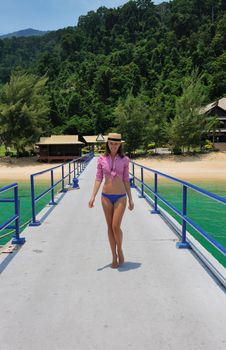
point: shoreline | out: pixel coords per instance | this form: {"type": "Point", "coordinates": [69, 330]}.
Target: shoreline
{"type": "Point", "coordinates": [200, 168]}
{"type": "Point", "coordinates": [19, 170]}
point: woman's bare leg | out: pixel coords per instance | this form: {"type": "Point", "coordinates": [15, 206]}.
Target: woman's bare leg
{"type": "Point", "coordinates": [108, 211]}
{"type": "Point", "coordinates": [120, 252]}
{"type": "Point", "coordinates": [119, 209]}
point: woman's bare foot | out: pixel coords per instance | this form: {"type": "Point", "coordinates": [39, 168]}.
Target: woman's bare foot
{"type": "Point", "coordinates": [115, 264]}
{"type": "Point", "coordinates": [121, 257]}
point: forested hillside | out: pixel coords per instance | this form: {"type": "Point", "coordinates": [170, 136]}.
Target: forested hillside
{"type": "Point", "coordinates": [139, 49]}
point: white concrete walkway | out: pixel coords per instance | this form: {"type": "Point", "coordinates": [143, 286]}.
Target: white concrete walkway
{"type": "Point", "coordinates": [59, 292]}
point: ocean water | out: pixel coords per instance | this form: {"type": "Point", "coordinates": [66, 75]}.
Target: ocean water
{"type": "Point", "coordinates": [7, 209]}
{"type": "Point", "coordinates": [208, 214]}
{"type": "Point", "coordinates": [204, 211]}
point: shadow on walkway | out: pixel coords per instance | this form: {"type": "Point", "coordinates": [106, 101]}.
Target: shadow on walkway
{"type": "Point", "coordinates": [129, 265]}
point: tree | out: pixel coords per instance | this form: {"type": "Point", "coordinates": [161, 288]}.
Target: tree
{"type": "Point", "coordinates": [189, 124]}
{"type": "Point", "coordinates": [140, 46]}
{"type": "Point", "coordinates": [24, 108]}
{"type": "Point", "coordinates": [213, 126]}
{"type": "Point", "coordinates": [79, 125]}
{"type": "Point", "coordinates": [156, 129]}
{"type": "Point", "coordinates": [131, 119]}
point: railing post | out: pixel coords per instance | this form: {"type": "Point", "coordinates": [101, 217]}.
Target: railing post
{"type": "Point", "coordinates": [16, 238]}
{"type": "Point", "coordinates": [132, 183]}
{"type": "Point", "coordinates": [79, 167]}
{"type": "Point", "coordinates": [69, 178]}
{"type": "Point", "coordinates": [74, 167]}
{"type": "Point", "coordinates": [34, 222]}
{"type": "Point", "coordinates": [75, 179]}
{"type": "Point", "coordinates": [184, 243]}
{"type": "Point", "coordinates": [52, 190]}
{"type": "Point", "coordinates": [142, 182]}
{"type": "Point", "coordinates": [156, 211]}
{"type": "Point", "coordinates": [63, 187]}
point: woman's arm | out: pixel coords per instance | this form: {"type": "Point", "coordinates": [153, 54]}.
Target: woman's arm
{"type": "Point", "coordinates": [94, 193]}
{"type": "Point", "coordinates": [99, 178]}
{"type": "Point", "coordinates": [127, 183]}
{"type": "Point", "coordinates": [128, 191]}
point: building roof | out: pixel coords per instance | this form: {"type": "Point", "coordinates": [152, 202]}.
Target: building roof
{"type": "Point", "coordinates": [95, 138]}
{"type": "Point", "coordinates": [60, 140]}
{"type": "Point", "coordinates": [218, 103]}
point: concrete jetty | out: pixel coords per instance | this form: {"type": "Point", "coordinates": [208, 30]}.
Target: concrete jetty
{"type": "Point", "coordinates": [58, 290]}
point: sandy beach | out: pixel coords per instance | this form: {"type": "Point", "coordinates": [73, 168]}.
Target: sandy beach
{"type": "Point", "coordinates": [205, 167]}
{"type": "Point", "coordinates": [16, 170]}
{"type": "Point", "coordinates": [196, 168]}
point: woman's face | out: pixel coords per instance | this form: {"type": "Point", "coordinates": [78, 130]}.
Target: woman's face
{"type": "Point", "coordinates": [114, 146]}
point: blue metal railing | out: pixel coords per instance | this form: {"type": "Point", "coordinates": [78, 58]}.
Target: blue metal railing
{"type": "Point", "coordinates": [183, 214]}
{"type": "Point", "coordinates": [74, 167]}
{"type": "Point", "coordinates": [8, 224]}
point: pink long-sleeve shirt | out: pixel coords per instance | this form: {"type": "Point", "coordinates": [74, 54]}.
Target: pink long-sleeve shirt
{"type": "Point", "coordinates": [105, 167]}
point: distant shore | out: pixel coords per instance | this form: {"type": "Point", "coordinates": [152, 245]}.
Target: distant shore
{"type": "Point", "coordinates": [20, 169]}
{"type": "Point", "coordinates": [201, 167]}
{"type": "Point", "coordinates": [209, 167]}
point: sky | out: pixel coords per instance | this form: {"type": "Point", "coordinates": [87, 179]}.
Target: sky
{"type": "Point", "coordinates": [47, 14]}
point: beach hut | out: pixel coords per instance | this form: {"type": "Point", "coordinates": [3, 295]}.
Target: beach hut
{"type": "Point", "coordinates": [94, 141]}
{"type": "Point", "coordinates": [218, 109]}
{"type": "Point", "coordinates": [59, 148]}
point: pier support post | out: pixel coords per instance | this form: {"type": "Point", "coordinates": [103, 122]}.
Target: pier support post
{"type": "Point", "coordinates": [184, 243]}
{"type": "Point", "coordinates": [33, 222]}
{"type": "Point", "coordinates": [16, 237]}
{"type": "Point", "coordinates": [52, 190]}
{"type": "Point", "coordinates": [155, 210]}
{"type": "Point", "coordinates": [131, 180]}
{"type": "Point", "coordinates": [142, 182]}
{"type": "Point", "coordinates": [75, 182]}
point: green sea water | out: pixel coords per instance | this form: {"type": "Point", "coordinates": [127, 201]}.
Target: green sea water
{"type": "Point", "coordinates": [7, 209]}
{"type": "Point", "coordinates": [204, 211]}
{"type": "Point", "coordinates": [208, 214]}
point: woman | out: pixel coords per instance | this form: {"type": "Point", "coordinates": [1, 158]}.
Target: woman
{"type": "Point", "coordinates": [115, 167]}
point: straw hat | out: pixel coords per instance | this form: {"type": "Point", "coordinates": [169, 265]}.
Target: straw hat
{"type": "Point", "coordinates": [115, 137]}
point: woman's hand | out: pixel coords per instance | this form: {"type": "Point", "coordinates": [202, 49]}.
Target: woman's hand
{"type": "Point", "coordinates": [131, 205]}
{"type": "Point", "coordinates": [91, 202]}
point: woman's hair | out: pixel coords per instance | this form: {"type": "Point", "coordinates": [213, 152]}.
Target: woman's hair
{"type": "Point", "coordinates": [120, 151]}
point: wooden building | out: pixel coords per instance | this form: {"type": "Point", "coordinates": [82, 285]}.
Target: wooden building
{"type": "Point", "coordinates": [93, 141]}
{"type": "Point", "coordinates": [218, 109]}
{"type": "Point", "coordinates": [59, 147]}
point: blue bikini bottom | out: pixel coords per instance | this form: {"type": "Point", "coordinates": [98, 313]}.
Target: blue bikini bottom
{"type": "Point", "coordinates": [113, 197]}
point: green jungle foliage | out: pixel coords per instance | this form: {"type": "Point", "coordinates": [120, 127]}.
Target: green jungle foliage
{"type": "Point", "coordinates": [23, 110]}
{"type": "Point", "coordinates": [137, 56]}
